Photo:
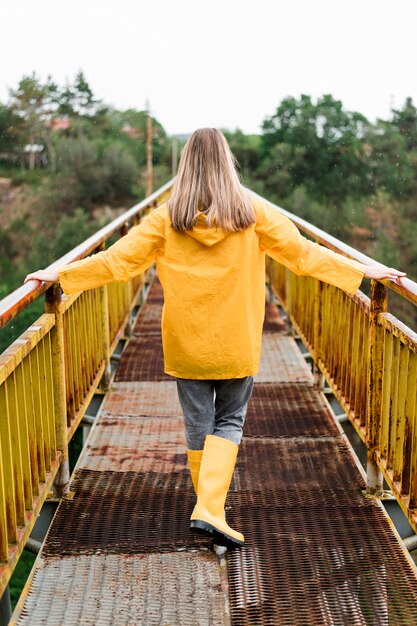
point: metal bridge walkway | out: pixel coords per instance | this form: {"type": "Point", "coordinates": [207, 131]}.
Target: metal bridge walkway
{"type": "Point", "coordinates": [318, 550]}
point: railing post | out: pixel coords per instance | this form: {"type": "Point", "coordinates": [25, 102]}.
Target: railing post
{"type": "Point", "coordinates": [53, 304]}
{"type": "Point", "coordinates": [269, 279]}
{"type": "Point", "coordinates": [288, 296]}
{"type": "Point", "coordinates": [319, 379]}
{"type": "Point", "coordinates": [105, 331]}
{"type": "Point", "coordinates": [379, 300]}
{"type": "Point", "coordinates": [128, 328]}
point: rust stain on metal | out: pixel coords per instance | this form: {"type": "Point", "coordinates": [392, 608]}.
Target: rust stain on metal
{"type": "Point", "coordinates": [177, 588]}
{"type": "Point", "coordinates": [301, 464]}
{"type": "Point", "coordinates": [155, 293]}
{"type": "Point", "coordinates": [125, 513]}
{"type": "Point", "coordinates": [140, 444]}
{"type": "Point", "coordinates": [142, 359]}
{"type": "Point", "coordinates": [337, 564]}
{"type": "Point", "coordinates": [287, 410]}
{"type": "Point", "coordinates": [282, 362]}
{"type": "Point", "coordinates": [273, 321]}
{"type": "Point", "coordinates": [149, 320]}
{"type": "Point", "coordinates": [151, 398]}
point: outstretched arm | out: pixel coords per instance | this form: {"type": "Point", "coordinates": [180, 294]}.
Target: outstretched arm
{"type": "Point", "coordinates": [282, 240]}
{"type": "Point", "coordinates": [132, 254]}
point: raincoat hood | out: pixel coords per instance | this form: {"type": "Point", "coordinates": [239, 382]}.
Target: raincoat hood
{"type": "Point", "coordinates": [204, 234]}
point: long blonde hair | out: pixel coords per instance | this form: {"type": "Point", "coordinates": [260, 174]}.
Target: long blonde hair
{"type": "Point", "coordinates": [207, 181]}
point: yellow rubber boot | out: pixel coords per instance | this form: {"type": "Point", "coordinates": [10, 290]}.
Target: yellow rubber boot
{"type": "Point", "coordinates": [194, 461]}
{"type": "Point", "coordinates": [216, 471]}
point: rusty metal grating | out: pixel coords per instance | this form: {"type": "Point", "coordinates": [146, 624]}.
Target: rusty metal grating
{"type": "Point", "coordinates": [123, 590]}
{"type": "Point", "coordinates": [121, 552]}
{"type": "Point", "coordinates": [149, 320]}
{"type": "Point", "coordinates": [319, 565]}
{"type": "Point", "coordinates": [285, 410]}
{"type": "Point", "coordinates": [317, 465]}
{"type": "Point", "coordinates": [153, 399]}
{"type": "Point", "coordinates": [142, 359]}
{"type": "Point", "coordinates": [128, 512]}
{"type": "Point", "coordinates": [282, 362]}
{"type": "Point", "coordinates": [137, 444]}
{"type": "Point", "coordinates": [273, 322]}
{"type": "Point", "coordinates": [155, 293]}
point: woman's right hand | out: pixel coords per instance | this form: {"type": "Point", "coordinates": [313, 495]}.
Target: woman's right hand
{"type": "Point", "coordinates": [49, 276]}
{"type": "Point", "coordinates": [378, 272]}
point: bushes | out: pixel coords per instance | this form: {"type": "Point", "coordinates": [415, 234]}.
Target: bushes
{"type": "Point", "coordinates": [90, 173]}
{"type": "Point", "coordinates": [119, 171]}
{"type": "Point", "coordinates": [44, 245]}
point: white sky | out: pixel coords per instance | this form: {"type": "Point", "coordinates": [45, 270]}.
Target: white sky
{"type": "Point", "coordinates": [221, 63]}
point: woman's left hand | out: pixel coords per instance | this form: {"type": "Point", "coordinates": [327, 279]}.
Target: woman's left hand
{"type": "Point", "coordinates": [49, 276]}
{"type": "Point", "coordinates": [378, 272]}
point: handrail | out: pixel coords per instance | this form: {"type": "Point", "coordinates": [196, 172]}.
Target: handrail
{"type": "Point", "coordinates": [407, 289]}
{"type": "Point", "coordinates": [368, 358]}
{"type": "Point", "coordinates": [48, 377]}
{"type": "Point", "coordinates": [21, 297]}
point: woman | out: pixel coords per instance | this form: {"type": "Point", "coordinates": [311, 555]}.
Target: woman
{"type": "Point", "coordinates": [209, 242]}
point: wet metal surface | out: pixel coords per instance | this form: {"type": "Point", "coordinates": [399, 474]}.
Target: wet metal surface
{"type": "Point", "coordinates": [153, 399]}
{"type": "Point", "coordinates": [317, 550]}
{"type": "Point", "coordinates": [273, 322]}
{"type": "Point", "coordinates": [155, 293]}
{"type": "Point", "coordinates": [281, 361]}
{"type": "Point", "coordinates": [336, 564]}
{"type": "Point", "coordinates": [300, 465]}
{"type": "Point", "coordinates": [114, 590]}
{"type": "Point", "coordinates": [149, 320]}
{"type": "Point", "coordinates": [142, 359]}
{"type": "Point", "coordinates": [287, 410]}
{"type": "Point", "coordinates": [320, 567]}
{"type": "Point", "coordinates": [137, 444]}
{"type": "Point", "coordinates": [125, 513]}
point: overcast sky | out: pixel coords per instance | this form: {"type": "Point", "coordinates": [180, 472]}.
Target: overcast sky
{"type": "Point", "coordinates": [221, 63]}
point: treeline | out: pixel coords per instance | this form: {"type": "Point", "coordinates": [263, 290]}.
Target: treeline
{"type": "Point", "coordinates": [355, 179]}
{"type": "Point", "coordinates": [69, 163]}
{"type": "Point", "coordinates": [69, 155]}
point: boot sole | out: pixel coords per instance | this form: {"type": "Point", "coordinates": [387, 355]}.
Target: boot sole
{"type": "Point", "coordinates": [220, 538]}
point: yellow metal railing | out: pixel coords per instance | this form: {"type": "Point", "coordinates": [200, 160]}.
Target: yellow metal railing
{"type": "Point", "coordinates": [50, 373]}
{"type": "Point", "coordinates": [369, 359]}
{"type": "Point", "coordinates": [48, 377]}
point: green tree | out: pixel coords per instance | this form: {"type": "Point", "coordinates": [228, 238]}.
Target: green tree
{"type": "Point", "coordinates": [76, 102]}
{"type": "Point", "coordinates": [333, 162]}
{"type": "Point", "coordinates": [9, 128]}
{"type": "Point", "coordinates": [246, 149]}
{"type": "Point", "coordinates": [33, 103]}
{"type": "Point", "coordinates": [405, 120]}
{"type": "Point", "coordinates": [389, 164]}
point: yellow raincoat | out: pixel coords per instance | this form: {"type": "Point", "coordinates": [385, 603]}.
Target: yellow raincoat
{"type": "Point", "coordinates": [214, 284]}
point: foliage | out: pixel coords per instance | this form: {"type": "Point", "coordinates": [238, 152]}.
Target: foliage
{"type": "Point", "coordinates": [70, 230]}
{"type": "Point", "coordinates": [9, 127]}
{"type": "Point", "coordinates": [354, 179]}
{"type": "Point", "coordinates": [321, 146]}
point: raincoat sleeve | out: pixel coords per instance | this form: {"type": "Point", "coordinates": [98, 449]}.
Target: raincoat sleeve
{"type": "Point", "coordinates": [280, 238]}
{"type": "Point", "coordinates": [132, 254]}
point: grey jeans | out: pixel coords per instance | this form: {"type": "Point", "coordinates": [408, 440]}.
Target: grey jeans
{"type": "Point", "coordinates": [214, 407]}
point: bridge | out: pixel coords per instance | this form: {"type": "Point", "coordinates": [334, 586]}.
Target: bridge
{"type": "Point", "coordinates": [320, 545]}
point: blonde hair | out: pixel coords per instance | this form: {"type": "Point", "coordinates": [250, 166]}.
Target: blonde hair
{"type": "Point", "coordinates": [207, 181]}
